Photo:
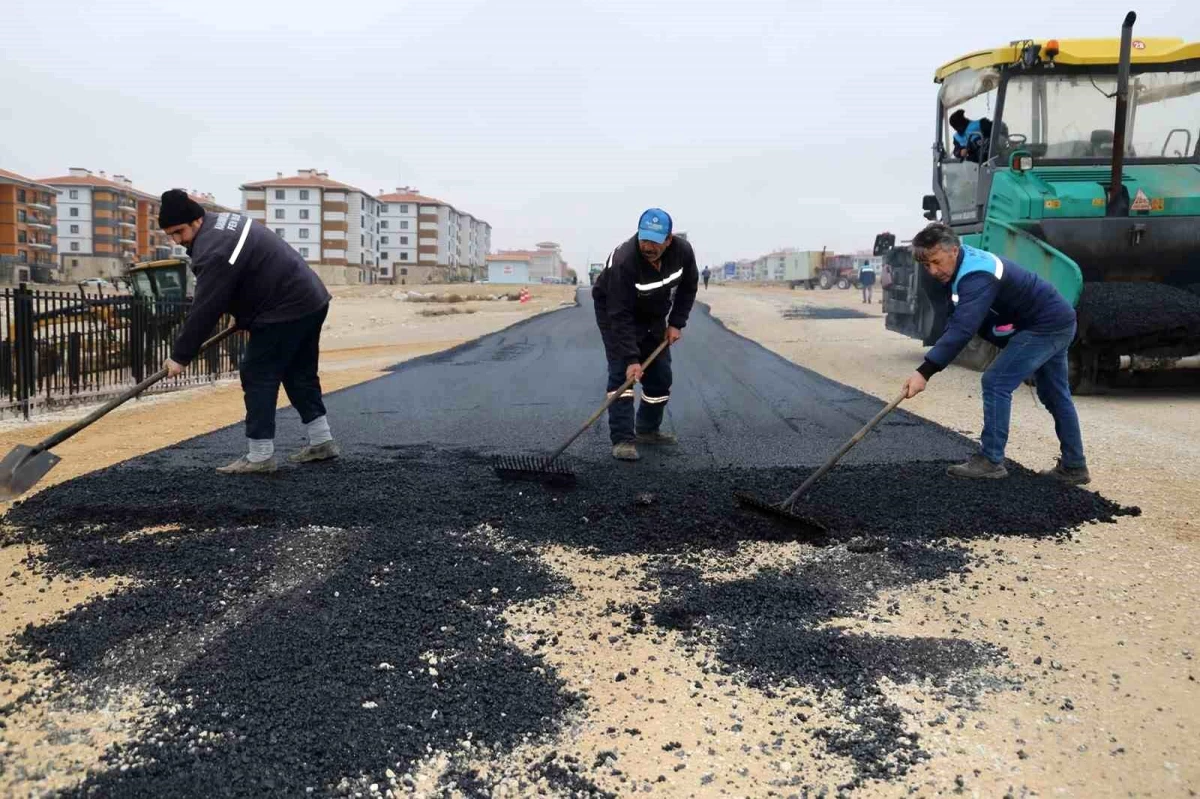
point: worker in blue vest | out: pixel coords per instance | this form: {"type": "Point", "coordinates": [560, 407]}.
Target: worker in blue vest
{"type": "Point", "coordinates": [1032, 323]}
{"type": "Point", "coordinates": [971, 136]}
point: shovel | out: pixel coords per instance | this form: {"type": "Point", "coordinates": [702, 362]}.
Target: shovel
{"type": "Point", "coordinates": [25, 465]}
{"type": "Point", "coordinates": [784, 511]}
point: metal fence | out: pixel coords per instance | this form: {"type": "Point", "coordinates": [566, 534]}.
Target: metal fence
{"type": "Point", "coordinates": [59, 348]}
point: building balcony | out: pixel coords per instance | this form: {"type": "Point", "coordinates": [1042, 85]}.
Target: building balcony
{"type": "Point", "coordinates": [123, 223]}
{"type": "Point", "coordinates": [126, 205]}
{"type": "Point", "coordinates": [124, 240]}
{"type": "Point", "coordinates": [39, 224]}
{"type": "Point", "coordinates": [40, 245]}
{"type": "Point", "coordinates": [41, 207]}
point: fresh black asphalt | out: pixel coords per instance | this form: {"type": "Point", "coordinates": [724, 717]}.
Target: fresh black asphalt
{"type": "Point", "coordinates": [312, 631]}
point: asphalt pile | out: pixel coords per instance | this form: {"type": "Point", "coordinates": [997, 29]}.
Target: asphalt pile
{"type": "Point", "coordinates": [772, 629]}
{"type": "Point", "coordinates": [1114, 312]}
{"type": "Point", "coordinates": [320, 627]}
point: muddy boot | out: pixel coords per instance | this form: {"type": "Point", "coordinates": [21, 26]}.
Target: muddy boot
{"type": "Point", "coordinates": [978, 467]}
{"type": "Point", "coordinates": [326, 450]}
{"type": "Point", "coordinates": [657, 437]}
{"type": "Point", "coordinates": [244, 465]}
{"type": "Point", "coordinates": [625, 451]}
{"type": "Point", "coordinates": [1072, 475]}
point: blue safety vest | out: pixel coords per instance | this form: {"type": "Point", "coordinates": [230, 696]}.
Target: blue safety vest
{"type": "Point", "coordinates": [975, 260]}
{"type": "Point", "coordinates": [973, 132]}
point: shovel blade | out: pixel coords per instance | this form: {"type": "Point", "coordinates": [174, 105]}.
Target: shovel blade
{"type": "Point", "coordinates": [21, 469]}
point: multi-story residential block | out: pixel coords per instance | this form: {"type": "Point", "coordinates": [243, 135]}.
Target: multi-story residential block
{"type": "Point", "coordinates": [326, 221]}
{"type": "Point", "coordinates": [105, 224]}
{"type": "Point", "coordinates": [423, 238]}
{"type": "Point", "coordinates": [28, 238]}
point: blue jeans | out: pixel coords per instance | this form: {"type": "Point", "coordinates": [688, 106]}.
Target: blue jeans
{"type": "Point", "coordinates": [1044, 357]}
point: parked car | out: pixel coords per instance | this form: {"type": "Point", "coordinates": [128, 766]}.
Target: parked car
{"type": "Point", "coordinates": [97, 283]}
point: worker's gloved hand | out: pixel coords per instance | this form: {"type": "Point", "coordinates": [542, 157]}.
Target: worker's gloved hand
{"type": "Point", "coordinates": [914, 385]}
{"type": "Point", "coordinates": [633, 372]}
{"type": "Point", "coordinates": [673, 335]}
{"type": "Point", "coordinates": [173, 369]}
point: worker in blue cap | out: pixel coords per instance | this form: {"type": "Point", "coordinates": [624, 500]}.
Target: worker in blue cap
{"type": "Point", "coordinates": [644, 293]}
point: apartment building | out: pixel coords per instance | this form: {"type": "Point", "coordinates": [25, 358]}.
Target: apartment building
{"type": "Point", "coordinates": [326, 221]}
{"type": "Point", "coordinates": [547, 262]}
{"type": "Point", "coordinates": [28, 238]}
{"type": "Point", "coordinates": [104, 224]}
{"type": "Point", "coordinates": [209, 203]}
{"type": "Point", "coordinates": [423, 238]}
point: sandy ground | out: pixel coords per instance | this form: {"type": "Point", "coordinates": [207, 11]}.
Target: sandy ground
{"type": "Point", "coordinates": [1098, 630]}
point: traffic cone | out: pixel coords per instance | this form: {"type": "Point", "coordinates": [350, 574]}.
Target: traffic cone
{"type": "Point", "coordinates": [524, 295]}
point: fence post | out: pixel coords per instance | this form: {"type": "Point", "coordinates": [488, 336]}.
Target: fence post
{"type": "Point", "coordinates": [137, 331]}
{"type": "Point", "coordinates": [74, 357]}
{"type": "Point", "coordinates": [25, 346]}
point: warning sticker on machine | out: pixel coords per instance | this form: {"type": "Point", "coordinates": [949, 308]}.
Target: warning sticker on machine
{"type": "Point", "coordinates": [1140, 202]}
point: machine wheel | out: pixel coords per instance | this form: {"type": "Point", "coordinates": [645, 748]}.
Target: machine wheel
{"type": "Point", "coordinates": [843, 283]}
{"type": "Point", "coordinates": [825, 281]}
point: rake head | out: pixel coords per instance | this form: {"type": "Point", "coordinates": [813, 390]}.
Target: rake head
{"type": "Point", "coordinates": [525, 467]}
{"type": "Point", "coordinates": [780, 514]}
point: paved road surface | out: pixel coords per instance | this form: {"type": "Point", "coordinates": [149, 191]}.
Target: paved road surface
{"type": "Point", "coordinates": [525, 389]}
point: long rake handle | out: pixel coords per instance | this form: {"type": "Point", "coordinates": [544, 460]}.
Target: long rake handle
{"type": "Point", "coordinates": [609, 401]}
{"type": "Point", "coordinates": [837, 456]}
{"type": "Point", "coordinates": [115, 402]}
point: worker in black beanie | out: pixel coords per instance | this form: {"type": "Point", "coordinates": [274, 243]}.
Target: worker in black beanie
{"type": "Point", "coordinates": [246, 270]}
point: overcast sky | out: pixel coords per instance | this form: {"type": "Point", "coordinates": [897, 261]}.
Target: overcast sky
{"type": "Point", "coordinates": [757, 124]}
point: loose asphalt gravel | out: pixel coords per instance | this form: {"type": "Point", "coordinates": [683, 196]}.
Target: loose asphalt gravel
{"type": "Point", "coordinates": [329, 628]}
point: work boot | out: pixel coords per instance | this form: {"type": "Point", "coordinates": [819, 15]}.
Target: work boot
{"type": "Point", "coordinates": [978, 467]}
{"type": "Point", "coordinates": [1071, 475]}
{"type": "Point", "coordinates": [244, 465]}
{"type": "Point", "coordinates": [625, 451]}
{"type": "Point", "coordinates": [657, 437]}
{"type": "Point", "coordinates": [326, 450]}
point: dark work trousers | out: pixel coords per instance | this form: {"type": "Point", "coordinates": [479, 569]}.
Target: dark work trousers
{"type": "Point", "coordinates": [656, 384]}
{"type": "Point", "coordinates": [287, 353]}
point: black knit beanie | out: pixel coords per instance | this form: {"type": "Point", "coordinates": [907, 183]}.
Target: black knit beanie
{"type": "Point", "coordinates": [178, 209]}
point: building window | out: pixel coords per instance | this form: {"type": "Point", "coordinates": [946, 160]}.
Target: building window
{"type": "Point", "coordinates": [304, 233]}
{"type": "Point", "coordinates": [404, 209]}
{"type": "Point", "coordinates": [383, 256]}
{"type": "Point", "coordinates": [362, 241]}
{"type": "Point", "coordinates": [404, 239]}
{"type": "Point", "coordinates": [362, 202]}
{"type": "Point", "coordinates": [74, 228]}
{"type": "Point", "coordinates": [303, 252]}
{"type": "Point", "coordinates": [279, 194]}
{"type": "Point", "coordinates": [404, 224]}
{"type": "Point", "coordinates": [73, 212]}
{"type": "Point", "coordinates": [21, 237]}
{"type": "Point", "coordinates": [45, 199]}
{"type": "Point", "coordinates": [74, 262]}
{"type": "Point", "coordinates": [74, 246]}
{"type": "Point", "coordinates": [73, 194]}
{"type": "Point", "coordinates": [20, 195]}
{"type": "Point", "coordinates": [281, 233]}
{"type": "Point", "coordinates": [304, 213]}
{"type": "Point", "coordinates": [279, 213]}
{"type": "Point", "coordinates": [383, 209]}
{"type": "Point", "coordinates": [383, 225]}
{"type": "Point", "coordinates": [22, 256]}
{"type": "Point", "coordinates": [383, 239]}
{"type": "Point", "coordinates": [304, 194]}
{"type": "Point", "coordinates": [404, 257]}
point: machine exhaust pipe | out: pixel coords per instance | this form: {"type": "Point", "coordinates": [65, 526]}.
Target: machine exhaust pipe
{"type": "Point", "coordinates": [1118, 198]}
{"type": "Point", "coordinates": [1142, 363]}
